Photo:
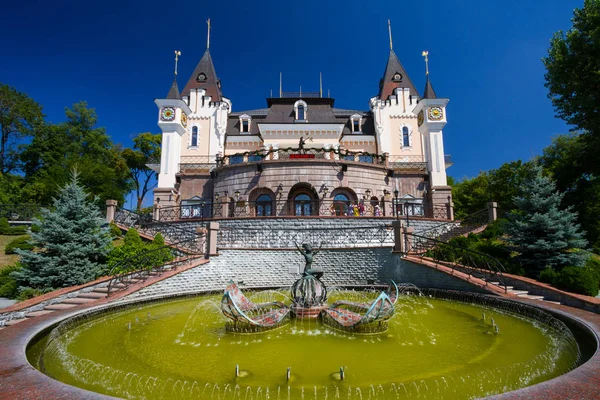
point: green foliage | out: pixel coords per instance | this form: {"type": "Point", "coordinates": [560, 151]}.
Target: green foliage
{"type": "Point", "coordinates": [74, 241]}
{"type": "Point", "coordinates": [132, 238]}
{"type": "Point", "coordinates": [582, 280]}
{"type": "Point", "coordinates": [26, 293]}
{"type": "Point", "coordinates": [19, 117]}
{"type": "Point", "coordinates": [22, 243]}
{"type": "Point", "coordinates": [8, 284]}
{"type": "Point", "coordinates": [500, 185]}
{"type": "Point", "coordinates": [541, 232]}
{"type": "Point", "coordinates": [146, 150]}
{"type": "Point", "coordinates": [135, 254]}
{"type": "Point", "coordinates": [77, 143]}
{"type": "Point", "coordinates": [494, 230]}
{"type": "Point", "coordinates": [563, 161]}
{"type": "Point", "coordinates": [573, 80]}
{"type": "Point", "coordinates": [6, 229]}
{"type": "Point", "coordinates": [10, 188]}
{"type": "Point", "coordinates": [115, 231]}
{"type": "Point", "coordinates": [548, 276]}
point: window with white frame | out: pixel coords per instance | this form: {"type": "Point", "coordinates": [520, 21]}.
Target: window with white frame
{"type": "Point", "coordinates": [300, 109]}
{"type": "Point", "coordinates": [194, 137]}
{"type": "Point", "coordinates": [406, 138]}
{"type": "Point", "coordinates": [356, 122]}
{"type": "Point", "coordinates": [245, 121]}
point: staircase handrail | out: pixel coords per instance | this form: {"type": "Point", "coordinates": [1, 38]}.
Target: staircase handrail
{"type": "Point", "coordinates": [144, 271]}
{"type": "Point", "coordinates": [470, 220]}
{"type": "Point", "coordinates": [476, 262]}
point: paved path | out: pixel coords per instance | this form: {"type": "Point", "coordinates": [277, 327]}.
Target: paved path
{"type": "Point", "coordinates": [4, 302]}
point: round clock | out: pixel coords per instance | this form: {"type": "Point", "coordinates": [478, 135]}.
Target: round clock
{"type": "Point", "coordinates": [435, 113]}
{"type": "Point", "coordinates": [183, 119]}
{"type": "Point", "coordinates": [420, 118]}
{"type": "Point", "coordinates": [167, 114]}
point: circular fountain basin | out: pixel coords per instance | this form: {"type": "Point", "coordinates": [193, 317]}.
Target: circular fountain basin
{"type": "Point", "coordinates": [434, 348]}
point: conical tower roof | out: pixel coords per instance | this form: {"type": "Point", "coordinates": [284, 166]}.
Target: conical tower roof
{"type": "Point", "coordinates": [429, 93]}
{"type": "Point", "coordinates": [205, 77]}
{"type": "Point", "coordinates": [174, 91]}
{"type": "Point", "coordinates": [395, 76]}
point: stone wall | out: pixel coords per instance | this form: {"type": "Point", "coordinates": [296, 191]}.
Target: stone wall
{"type": "Point", "coordinates": [280, 268]}
{"type": "Point", "coordinates": [277, 233]}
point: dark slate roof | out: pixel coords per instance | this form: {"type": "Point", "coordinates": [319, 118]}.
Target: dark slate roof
{"type": "Point", "coordinates": [211, 84]}
{"type": "Point", "coordinates": [429, 93]}
{"type": "Point", "coordinates": [174, 91]}
{"type": "Point", "coordinates": [387, 86]}
{"type": "Point", "coordinates": [281, 111]}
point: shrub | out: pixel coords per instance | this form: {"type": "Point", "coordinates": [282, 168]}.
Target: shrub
{"type": "Point", "coordinates": [494, 230]}
{"type": "Point", "coordinates": [115, 231]}
{"type": "Point", "coordinates": [548, 276]}
{"type": "Point", "coordinates": [26, 293]}
{"type": "Point", "coordinates": [6, 229]}
{"type": "Point", "coordinates": [132, 238]}
{"type": "Point", "coordinates": [582, 280]}
{"type": "Point", "coordinates": [8, 284]}
{"type": "Point", "coordinates": [22, 243]}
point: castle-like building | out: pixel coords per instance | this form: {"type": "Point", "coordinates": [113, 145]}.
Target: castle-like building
{"type": "Point", "coordinates": [300, 155]}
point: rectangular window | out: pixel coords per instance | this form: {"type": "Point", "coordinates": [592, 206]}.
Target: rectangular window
{"type": "Point", "coordinates": [349, 158]}
{"type": "Point", "coordinates": [254, 158]}
{"type": "Point", "coordinates": [245, 126]}
{"type": "Point", "coordinates": [355, 126]}
{"type": "Point", "coordinates": [366, 159]}
{"type": "Point", "coordinates": [236, 159]}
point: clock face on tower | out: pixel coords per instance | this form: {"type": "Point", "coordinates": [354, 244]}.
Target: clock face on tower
{"type": "Point", "coordinates": [420, 118]}
{"type": "Point", "coordinates": [183, 119]}
{"type": "Point", "coordinates": [435, 113]}
{"type": "Point", "coordinates": [167, 114]}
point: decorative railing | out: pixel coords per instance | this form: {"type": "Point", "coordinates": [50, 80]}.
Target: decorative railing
{"type": "Point", "coordinates": [301, 94]}
{"type": "Point", "coordinates": [148, 263]}
{"type": "Point", "coordinates": [471, 262]}
{"type": "Point", "coordinates": [19, 212]}
{"type": "Point", "coordinates": [407, 162]}
{"type": "Point", "coordinates": [186, 240]}
{"type": "Point", "coordinates": [307, 208]}
{"type": "Point", "coordinates": [198, 164]}
{"type": "Point", "coordinates": [449, 230]}
{"type": "Point", "coordinates": [358, 236]}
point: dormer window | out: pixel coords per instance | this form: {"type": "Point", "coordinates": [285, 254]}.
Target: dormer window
{"type": "Point", "coordinates": [356, 123]}
{"type": "Point", "coordinates": [201, 77]}
{"type": "Point", "coordinates": [397, 77]}
{"type": "Point", "coordinates": [300, 108]}
{"type": "Point", "coordinates": [245, 121]}
{"type": "Point", "coordinates": [194, 138]}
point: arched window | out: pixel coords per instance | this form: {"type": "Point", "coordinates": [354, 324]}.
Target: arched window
{"type": "Point", "coordinates": [301, 113]}
{"type": "Point", "coordinates": [340, 204]}
{"type": "Point", "coordinates": [264, 206]}
{"type": "Point", "coordinates": [300, 108]}
{"type": "Point", "coordinates": [405, 137]}
{"type": "Point", "coordinates": [303, 205]}
{"type": "Point", "coordinates": [194, 139]}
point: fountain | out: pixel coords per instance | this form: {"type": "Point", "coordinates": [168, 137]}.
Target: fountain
{"type": "Point", "coordinates": [267, 345]}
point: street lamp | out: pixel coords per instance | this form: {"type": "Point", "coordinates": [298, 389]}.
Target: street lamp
{"type": "Point", "coordinates": [325, 191]}
{"type": "Point", "coordinates": [368, 193]}
{"type": "Point", "coordinates": [237, 194]}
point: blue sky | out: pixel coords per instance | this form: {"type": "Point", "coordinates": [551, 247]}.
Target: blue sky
{"type": "Point", "coordinates": [118, 56]}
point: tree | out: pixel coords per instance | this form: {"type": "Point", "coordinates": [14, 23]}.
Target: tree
{"type": "Point", "coordinates": [573, 77]}
{"type": "Point", "coordinates": [563, 162]}
{"type": "Point", "coordinates": [500, 185]}
{"type": "Point", "coordinates": [146, 149]}
{"type": "Point", "coordinates": [19, 116]}
{"type": "Point", "coordinates": [74, 242]}
{"type": "Point", "coordinates": [76, 143]}
{"type": "Point", "coordinates": [544, 235]}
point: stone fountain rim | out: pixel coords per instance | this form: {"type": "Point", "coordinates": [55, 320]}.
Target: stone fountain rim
{"type": "Point", "coordinates": [551, 388]}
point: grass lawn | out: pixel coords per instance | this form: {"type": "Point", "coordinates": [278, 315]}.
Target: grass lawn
{"type": "Point", "coordinates": [7, 259]}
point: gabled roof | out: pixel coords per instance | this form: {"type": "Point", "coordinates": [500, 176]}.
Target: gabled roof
{"type": "Point", "coordinates": [388, 83]}
{"type": "Point", "coordinates": [429, 93]}
{"type": "Point", "coordinates": [209, 81]}
{"type": "Point", "coordinates": [174, 91]}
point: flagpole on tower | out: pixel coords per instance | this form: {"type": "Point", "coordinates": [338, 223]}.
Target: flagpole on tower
{"type": "Point", "coordinates": [390, 33]}
{"type": "Point", "coordinates": [208, 35]}
{"type": "Point", "coordinates": [177, 54]}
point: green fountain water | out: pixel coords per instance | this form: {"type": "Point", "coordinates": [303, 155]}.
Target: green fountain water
{"type": "Point", "coordinates": [434, 349]}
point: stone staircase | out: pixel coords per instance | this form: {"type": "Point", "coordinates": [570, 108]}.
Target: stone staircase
{"type": "Point", "coordinates": [524, 294]}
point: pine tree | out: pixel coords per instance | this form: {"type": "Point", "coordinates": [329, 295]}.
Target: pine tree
{"type": "Point", "coordinates": [74, 240]}
{"type": "Point", "coordinates": [541, 232]}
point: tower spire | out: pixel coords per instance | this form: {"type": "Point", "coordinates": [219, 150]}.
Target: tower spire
{"type": "Point", "coordinates": [428, 93]}
{"type": "Point", "coordinates": [208, 35]}
{"type": "Point", "coordinates": [390, 33]}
